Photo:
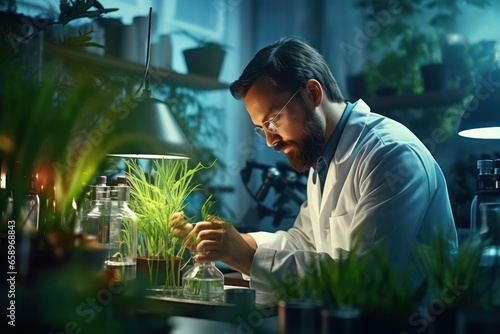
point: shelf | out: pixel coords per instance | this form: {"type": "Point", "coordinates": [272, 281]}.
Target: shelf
{"type": "Point", "coordinates": [164, 76]}
{"type": "Point", "coordinates": [411, 101]}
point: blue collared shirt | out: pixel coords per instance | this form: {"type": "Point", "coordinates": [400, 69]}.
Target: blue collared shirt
{"type": "Point", "coordinates": [326, 156]}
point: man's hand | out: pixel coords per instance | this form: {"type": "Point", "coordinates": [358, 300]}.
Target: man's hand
{"type": "Point", "coordinates": [178, 225]}
{"type": "Point", "coordinates": [220, 241]}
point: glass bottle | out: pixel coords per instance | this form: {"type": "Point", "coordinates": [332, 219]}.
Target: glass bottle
{"type": "Point", "coordinates": [95, 221]}
{"type": "Point", "coordinates": [487, 230]}
{"type": "Point", "coordinates": [485, 182]}
{"type": "Point", "coordinates": [496, 174]}
{"type": "Point", "coordinates": [484, 227]}
{"type": "Point", "coordinates": [203, 281]}
{"type": "Point", "coordinates": [30, 210]}
{"type": "Point", "coordinates": [122, 245]}
{"type": "Point", "coordinates": [84, 207]}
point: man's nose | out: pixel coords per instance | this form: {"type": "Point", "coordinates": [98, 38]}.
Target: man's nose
{"type": "Point", "coordinates": [272, 138]}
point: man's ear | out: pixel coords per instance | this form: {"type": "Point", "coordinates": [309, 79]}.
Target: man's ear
{"type": "Point", "coordinates": [315, 91]}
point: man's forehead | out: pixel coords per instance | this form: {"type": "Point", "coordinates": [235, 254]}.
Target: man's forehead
{"type": "Point", "coordinates": [260, 99]}
{"type": "Point", "coordinates": [263, 84]}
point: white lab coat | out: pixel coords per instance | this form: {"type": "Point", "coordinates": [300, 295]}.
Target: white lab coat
{"type": "Point", "coordinates": [382, 183]}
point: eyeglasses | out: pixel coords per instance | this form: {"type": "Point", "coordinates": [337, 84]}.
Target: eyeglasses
{"type": "Point", "coordinates": [270, 126]}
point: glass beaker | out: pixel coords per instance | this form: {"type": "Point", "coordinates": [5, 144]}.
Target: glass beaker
{"type": "Point", "coordinates": [203, 281]}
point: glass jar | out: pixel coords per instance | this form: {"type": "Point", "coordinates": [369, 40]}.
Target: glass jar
{"type": "Point", "coordinates": [203, 281]}
{"type": "Point", "coordinates": [122, 243]}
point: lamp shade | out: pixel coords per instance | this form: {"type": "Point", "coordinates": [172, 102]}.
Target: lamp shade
{"type": "Point", "coordinates": [150, 131]}
{"type": "Point", "coordinates": [481, 119]}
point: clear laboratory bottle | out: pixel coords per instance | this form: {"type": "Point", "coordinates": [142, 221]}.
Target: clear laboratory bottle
{"type": "Point", "coordinates": [203, 281]}
{"type": "Point", "coordinates": [485, 183]}
{"type": "Point", "coordinates": [488, 235]}
{"type": "Point", "coordinates": [96, 221]}
{"type": "Point", "coordinates": [122, 243]}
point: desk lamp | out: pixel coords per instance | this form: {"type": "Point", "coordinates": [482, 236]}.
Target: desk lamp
{"type": "Point", "coordinates": [156, 133]}
{"type": "Point", "coordinates": [481, 119]}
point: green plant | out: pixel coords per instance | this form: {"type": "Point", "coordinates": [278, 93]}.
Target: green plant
{"type": "Point", "coordinates": [155, 197]}
{"type": "Point", "coordinates": [64, 159]}
{"type": "Point", "coordinates": [77, 9]}
{"type": "Point", "coordinates": [207, 209]}
{"type": "Point", "coordinates": [411, 34]}
{"type": "Point", "coordinates": [126, 252]}
{"type": "Point", "coordinates": [200, 122]}
{"type": "Point", "coordinates": [461, 270]}
{"type": "Point", "coordinates": [363, 281]}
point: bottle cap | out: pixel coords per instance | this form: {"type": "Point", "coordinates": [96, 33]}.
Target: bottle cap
{"type": "Point", "coordinates": [122, 181]}
{"type": "Point", "coordinates": [101, 180]}
{"type": "Point", "coordinates": [496, 163]}
{"type": "Point", "coordinates": [485, 166]}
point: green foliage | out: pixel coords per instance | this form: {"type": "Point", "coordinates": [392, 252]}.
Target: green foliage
{"type": "Point", "coordinates": [49, 132]}
{"type": "Point", "coordinates": [366, 282]}
{"type": "Point", "coordinates": [155, 197]}
{"type": "Point", "coordinates": [382, 74]}
{"type": "Point", "coordinates": [48, 117]}
{"type": "Point", "coordinates": [207, 209]}
{"type": "Point", "coordinates": [462, 270]}
{"type": "Point", "coordinates": [412, 35]}
{"type": "Point", "coordinates": [81, 41]}
{"type": "Point", "coordinates": [199, 122]}
{"type": "Point", "coordinates": [73, 294]}
{"type": "Point", "coordinates": [77, 9]}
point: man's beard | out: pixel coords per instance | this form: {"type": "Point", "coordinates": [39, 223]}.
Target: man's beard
{"type": "Point", "coordinates": [309, 150]}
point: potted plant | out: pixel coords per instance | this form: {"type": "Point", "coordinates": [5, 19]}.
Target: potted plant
{"type": "Point", "coordinates": [201, 121]}
{"type": "Point", "coordinates": [29, 144]}
{"type": "Point", "coordinates": [418, 38]}
{"type": "Point", "coordinates": [458, 281]}
{"type": "Point", "coordinates": [363, 285]}
{"type": "Point", "coordinates": [155, 197]}
{"type": "Point", "coordinates": [206, 58]}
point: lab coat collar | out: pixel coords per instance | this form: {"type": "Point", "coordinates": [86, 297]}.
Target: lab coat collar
{"type": "Point", "coordinates": [348, 141]}
{"type": "Point", "coordinates": [352, 131]}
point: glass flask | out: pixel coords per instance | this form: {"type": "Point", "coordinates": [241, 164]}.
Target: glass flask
{"type": "Point", "coordinates": [122, 243]}
{"type": "Point", "coordinates": [95, 225]}
{"type": "Point", "coordinates": [485, 228]}
{"type": "Point", "coordinates": [203, 281]}
{"type": "Point", "coordinates": [95, 222]}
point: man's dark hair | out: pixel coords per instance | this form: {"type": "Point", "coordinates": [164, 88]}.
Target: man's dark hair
{"type": "Point", "coordinates": [290, 63]}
